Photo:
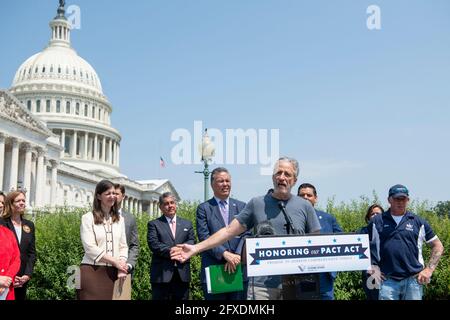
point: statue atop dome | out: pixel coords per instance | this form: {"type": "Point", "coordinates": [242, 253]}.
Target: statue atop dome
{"type": "Point", "coordinates": [61, 10]}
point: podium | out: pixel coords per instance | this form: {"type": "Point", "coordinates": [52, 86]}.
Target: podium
{"type": "Point", "coordinates": [300, 259]}
{"type": "Point", "coordinates": [301, 286]}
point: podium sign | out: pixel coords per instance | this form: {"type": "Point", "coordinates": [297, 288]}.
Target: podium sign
{"type": "Point", "coordinates": [281, 255]}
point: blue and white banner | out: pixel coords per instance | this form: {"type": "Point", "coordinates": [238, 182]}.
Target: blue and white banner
{"type": "Point", "coordinates": [307, 254]}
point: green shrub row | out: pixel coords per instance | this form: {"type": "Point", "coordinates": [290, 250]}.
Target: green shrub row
{"type": "Point", "coordinates": [59, 247]}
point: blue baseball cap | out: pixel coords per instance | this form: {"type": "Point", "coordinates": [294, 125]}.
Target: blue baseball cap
{"type": "Point", "coordinates": [398, 191]}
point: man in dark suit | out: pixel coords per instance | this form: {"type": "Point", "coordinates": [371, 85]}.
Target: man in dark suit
{"type": "Point", "coordinates": [131, 231]}
{"type": "Point", "coordinates": [212, 216]}
{"type": "Point", "coordinates": [169, 278]}
{"type": "Point", "coordinates": [328, 224]}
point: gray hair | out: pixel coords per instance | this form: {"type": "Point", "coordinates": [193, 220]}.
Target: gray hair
{"type": "Point", "coordinates": [166, 195]}
{"type": "Point", "coordinates": [216, 171]}
{"type": "Point", "coordinates": [292, 161]}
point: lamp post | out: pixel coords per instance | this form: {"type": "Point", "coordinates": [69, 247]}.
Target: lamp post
{"type": "Point", "coordinates": [207, 151]}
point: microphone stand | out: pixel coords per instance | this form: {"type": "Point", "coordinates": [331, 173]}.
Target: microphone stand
{"type": "Point", "coordinates": [298, 286]}
{"type": "Point", "coordinates": [289, 224]}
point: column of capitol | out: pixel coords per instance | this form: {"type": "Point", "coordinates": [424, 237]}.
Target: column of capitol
{"type": "Point", "coordinates": [23, 165]}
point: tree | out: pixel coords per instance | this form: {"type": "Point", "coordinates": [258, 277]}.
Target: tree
{"type": "Point", "coordinates": [442, 208]}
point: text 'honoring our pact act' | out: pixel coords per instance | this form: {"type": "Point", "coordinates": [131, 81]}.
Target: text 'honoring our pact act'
{"type": "Point", "coordinates": [308, 252]}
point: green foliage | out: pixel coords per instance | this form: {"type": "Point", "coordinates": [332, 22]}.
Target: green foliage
{"type": "Point", "coordinates": [141, 277]}
{"type": "Point", "coordinates": [443, 209]}
{"type": "Point", "coordinates": [59, 246]}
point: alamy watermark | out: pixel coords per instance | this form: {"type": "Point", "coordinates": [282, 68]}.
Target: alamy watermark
{"type": "Point", "coordinates": [234, 146]}
{"type": "Point", "coordinates": [73, 281]}
{"type": "Point", "coordinates": [373, 21]}
{"type": "Point", "coordinates": [374, 279]}
{"type": "Point", "coordinates": [74, 16]}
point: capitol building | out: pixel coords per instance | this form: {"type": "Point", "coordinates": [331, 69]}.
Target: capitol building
{"type": "Point", "coordinates": [56, 137]}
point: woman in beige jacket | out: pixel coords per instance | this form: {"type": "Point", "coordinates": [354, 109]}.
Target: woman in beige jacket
{"type": "Point", "coordinates": [105, 247]}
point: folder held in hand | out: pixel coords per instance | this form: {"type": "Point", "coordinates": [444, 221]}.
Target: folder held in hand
{"type": "Point", "coordinates": [220, 281]}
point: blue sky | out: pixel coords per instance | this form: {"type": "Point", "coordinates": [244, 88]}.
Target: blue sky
{"type": "Point", "coordinates": [361, 110]}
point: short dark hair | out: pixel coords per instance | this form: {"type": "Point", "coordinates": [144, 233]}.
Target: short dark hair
{"type": "Point", "coordinates": [120, 186]}
{"type": "Point", "coordinates": [370, 209]}
{"type": "Point", "coordinates": [166, 195]}
{"type": "Point", "coordinates": [216, 171]}
{"type": "Point", "coordinates": [307, 185]}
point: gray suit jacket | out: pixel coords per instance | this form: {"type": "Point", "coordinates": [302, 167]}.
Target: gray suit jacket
{"type": "Point", "coordinates": [132, 238]}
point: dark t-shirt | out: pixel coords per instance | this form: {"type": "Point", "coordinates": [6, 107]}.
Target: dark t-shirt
{"type": "Point", "coordinates": [266, 208]}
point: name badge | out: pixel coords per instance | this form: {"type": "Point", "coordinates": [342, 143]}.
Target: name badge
{"type": "Point", "coordinates": [26, 229]}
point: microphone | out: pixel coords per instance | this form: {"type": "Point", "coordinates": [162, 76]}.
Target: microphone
{"type": "Point", "coordinates": [281, 205]}
{"type": "Point", "coordinates": [289, 224]}
{"type": "Point", "coordinates": [264, 228]}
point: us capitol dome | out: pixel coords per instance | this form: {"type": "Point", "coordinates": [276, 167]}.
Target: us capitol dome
{"type": "Point", "coordinates": [56, 138]}
{"type": "Point", "coordinates": [64, 91]}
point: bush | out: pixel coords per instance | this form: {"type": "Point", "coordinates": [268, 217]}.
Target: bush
{"type": "Point", "coordinates": [442, 209]}
{"type": "Point", "coordinates": [59, 247]}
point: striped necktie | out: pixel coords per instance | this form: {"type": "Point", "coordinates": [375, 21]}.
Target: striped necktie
{"type": "Point", "coordinates": [224, 211]}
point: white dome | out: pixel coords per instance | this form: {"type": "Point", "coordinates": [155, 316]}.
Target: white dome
{"type": "Point", "coordinates": [73, 104]}
{"type": "Point", "coordinates": [60, 65]}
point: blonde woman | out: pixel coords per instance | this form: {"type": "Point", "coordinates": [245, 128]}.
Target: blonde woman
{"type": "Point", "coordinates": [23, 230]}
{"type": "Point", "coordinates": [105, 247]}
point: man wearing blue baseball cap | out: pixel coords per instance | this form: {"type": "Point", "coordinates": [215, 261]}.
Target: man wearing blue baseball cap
{"type": "Point", "coordinates": [396, 238]}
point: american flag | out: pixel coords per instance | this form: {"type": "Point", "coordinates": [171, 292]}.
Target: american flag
{"type": "Point", "coordinates": [161, 162]}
